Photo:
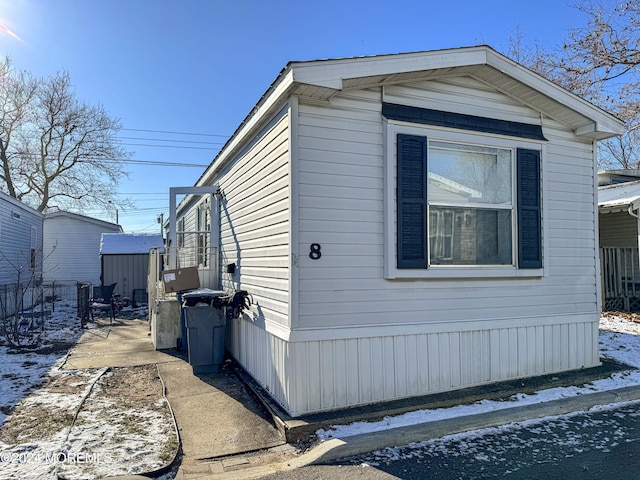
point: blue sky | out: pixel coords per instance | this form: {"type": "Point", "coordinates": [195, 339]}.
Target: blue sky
{"type": "Point", "coordinates": [199, 66]}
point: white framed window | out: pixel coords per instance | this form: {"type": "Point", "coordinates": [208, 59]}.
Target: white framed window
{"type": "Point", "coordinates": [180, 232]}
{"type": "Point", "coordinates": [470, 204]}
{"type": "Point", "coordinates": [203, 227]}
{"type": "Point", "coordinates": [456, 204]}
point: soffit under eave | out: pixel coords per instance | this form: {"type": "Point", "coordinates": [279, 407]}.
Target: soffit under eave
{"type": "Point", "coordinates": [604, 209]}
{"type": "Point", "coordinates": [318, 91]}
{"type": "Point", "coordinates": [584, 118]}
{"type": "Point", "coordinates": [591, 122]}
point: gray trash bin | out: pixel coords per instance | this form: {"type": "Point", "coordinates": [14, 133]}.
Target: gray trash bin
{"type": "Point", "coordinates": [205, 321]}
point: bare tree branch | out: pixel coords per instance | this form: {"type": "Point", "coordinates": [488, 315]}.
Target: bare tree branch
{"type": "Point", "coordinates": [53, 146]}
{"type": "Point", "coordinates": [601, 63]}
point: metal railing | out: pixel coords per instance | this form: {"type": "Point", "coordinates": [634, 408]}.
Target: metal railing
{"type": "Point", "coordinates": [15, 297]}
{"type": "Point", "coordinates": [620, 277]}
{"type": "Point", "coordinates": [26, 307]}
{"type": "Point", "coordinates": [186, 257]}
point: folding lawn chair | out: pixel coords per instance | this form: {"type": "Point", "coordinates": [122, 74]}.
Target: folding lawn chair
{"type": "Point", "coordinates": [103, 300]}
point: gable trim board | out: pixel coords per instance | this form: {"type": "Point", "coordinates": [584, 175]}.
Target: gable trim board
{"type": "Point", "coordinates": [313, 166]}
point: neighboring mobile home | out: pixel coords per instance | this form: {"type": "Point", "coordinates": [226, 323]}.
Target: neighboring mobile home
{"type": "Point", "coordinates": [20, 241]}
{"type": "Point", "coordinates": [72, 246]}
{"type": "Point", "coordinates": [407, 224]}
{"type": "Point", "coordinates": [619, 227]}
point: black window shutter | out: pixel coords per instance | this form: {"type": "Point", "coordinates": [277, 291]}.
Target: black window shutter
{"type": "Point", "coordinates": [529, 203]}
{"type": "Point", "coordinates": [412, 201]}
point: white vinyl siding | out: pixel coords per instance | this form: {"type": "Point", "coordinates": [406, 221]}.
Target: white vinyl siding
{"type": "Point", "coordinates": [462, 95]}
{"type": "Point", "coordinates": [194, 247]}
{"type": "Point", "coordinates": [187, 242]}
{"type": "Point", "coordinates": [340, 202]}
{"type": "Point", "coordinates": [254, 217]}
{"type": "Point", "coordinates": [341, 208]}
{"type": "Point", "coordinates": [447, 334]}
{"type": "Point", "coordinates": [19, 227]}
{"type": "Point", "coordinates": [72, 249]}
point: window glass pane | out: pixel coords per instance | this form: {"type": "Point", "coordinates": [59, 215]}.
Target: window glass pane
{"type": "Point", "coordinates": [469, 174]}
{"type": "Point", "coordinates": [469, 236]}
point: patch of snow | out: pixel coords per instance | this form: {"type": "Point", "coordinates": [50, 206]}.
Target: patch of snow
{"type": "Point", "coordinates": [96, 449]}
{"type": "Point", "coordinates": [130, 243]}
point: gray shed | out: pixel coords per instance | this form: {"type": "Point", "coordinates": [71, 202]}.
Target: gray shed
{"type": "Point", "coordinates": [125, 260]}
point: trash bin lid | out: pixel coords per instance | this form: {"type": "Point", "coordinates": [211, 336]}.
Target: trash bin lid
{"type": "Point", "coordinates": [204, 292]}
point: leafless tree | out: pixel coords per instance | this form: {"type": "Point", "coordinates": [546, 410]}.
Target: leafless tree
{"type": "Point", "coordinates": [55, 148]}
{"type": "Point", "coordinates": [605, 56]}
{"type": "Point", "coordinates": [600, 62]}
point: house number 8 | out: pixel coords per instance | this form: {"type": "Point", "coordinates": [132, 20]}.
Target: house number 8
{"type": "Point", "coordinates": [314, 252]}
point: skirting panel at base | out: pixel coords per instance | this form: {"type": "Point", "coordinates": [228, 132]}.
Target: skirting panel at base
{"type": "Point", "coordinates": [313, 376]}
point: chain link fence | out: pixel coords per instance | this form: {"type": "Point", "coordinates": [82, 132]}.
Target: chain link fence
{"type": "Point", "coordinates": [25, 307]}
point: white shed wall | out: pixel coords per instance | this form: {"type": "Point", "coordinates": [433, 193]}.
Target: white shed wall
{"type": "Point", "coordinates": [72, 249]}
{"type": "Point", "coordinates": [358, 338]}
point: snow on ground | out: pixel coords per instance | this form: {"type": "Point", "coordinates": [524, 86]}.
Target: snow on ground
{"type": "Point", "coordinates": [22, 371]}
{"type": "Point", "coordinates": [77, 424]}
{"type": "Point", "coordinates": [619, 340]}
{"type": "Point", "coordinates": [525, 449]}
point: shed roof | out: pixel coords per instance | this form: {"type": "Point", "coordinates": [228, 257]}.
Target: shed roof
{"type": "Point", "coordinates": [129, 243]}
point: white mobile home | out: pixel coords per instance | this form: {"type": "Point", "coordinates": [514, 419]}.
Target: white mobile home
{"type": "Point", "coordinates": [407, 224]}
{"type": "Point", "coordinates": [20, 241]}
{"type": "Point", "coordinates": [72, 246]}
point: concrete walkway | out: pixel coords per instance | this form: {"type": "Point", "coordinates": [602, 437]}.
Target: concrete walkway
{"type": "Point", "coordinates": [123, 343]}
{"type": "Point", "coordinates": [216, 415]}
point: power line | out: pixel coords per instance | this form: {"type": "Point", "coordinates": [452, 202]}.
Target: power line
{"type": "Point", "coordinates": [149, 228]}
{"type": "Point", "coordinates": [170, 140]}
{"type": "Point", "coordinates": [166, 194]}
{"type": "Point", "coordinates": [164, 146]}
{"type": "Point", "coordinates": [148, 162]}
{"type": "Point", "coordinates": [132, 161]}
{"type": "Point", "coordinates": [174, 133]}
